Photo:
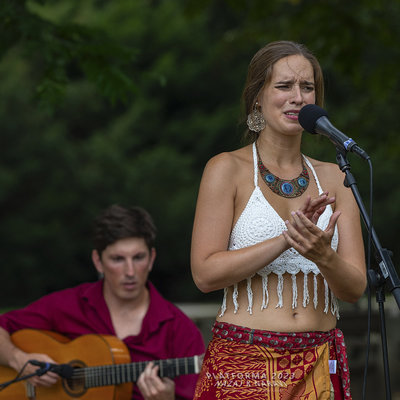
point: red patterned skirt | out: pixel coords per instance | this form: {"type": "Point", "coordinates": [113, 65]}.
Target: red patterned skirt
{"type": "Point", "coordinates": [251, 364]}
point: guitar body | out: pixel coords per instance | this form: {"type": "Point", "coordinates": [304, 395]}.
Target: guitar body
{"type": "Point", "coordinates": [95, 350]}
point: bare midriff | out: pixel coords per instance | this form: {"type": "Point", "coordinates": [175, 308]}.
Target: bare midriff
{"type": "Point", "coordinates": [280, 319]}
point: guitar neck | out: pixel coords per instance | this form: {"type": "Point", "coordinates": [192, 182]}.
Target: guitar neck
{"type": "Point", "coordinates": [122, 373]}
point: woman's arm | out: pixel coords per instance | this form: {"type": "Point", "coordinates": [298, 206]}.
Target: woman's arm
{"type": "Point", "coordinates": [213, 266]}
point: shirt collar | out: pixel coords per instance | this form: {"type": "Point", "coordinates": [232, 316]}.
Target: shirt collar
{"type": "Point", "coordinates": [158, 311]}
{"type": "Point", "coordinates": [93, 293]}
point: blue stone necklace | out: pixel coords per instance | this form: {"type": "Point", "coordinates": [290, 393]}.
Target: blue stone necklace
{"type": "Point", "coordinates": [286, 188]}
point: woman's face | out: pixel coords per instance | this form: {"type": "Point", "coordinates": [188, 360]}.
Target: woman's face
{"type": "Point", "coordinates": [291, 87]}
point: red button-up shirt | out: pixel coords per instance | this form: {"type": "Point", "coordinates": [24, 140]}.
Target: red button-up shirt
{"type": "Point", "coordinates": [166, 331]}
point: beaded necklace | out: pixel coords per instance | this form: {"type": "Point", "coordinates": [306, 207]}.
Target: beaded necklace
{"type": "Point", "coordinates": [286, 188]}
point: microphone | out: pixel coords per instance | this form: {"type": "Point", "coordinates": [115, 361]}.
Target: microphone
{"type": "Point", "coordinates": [63, 370]}
{"type": "Point", "coordinates": [314, 119]}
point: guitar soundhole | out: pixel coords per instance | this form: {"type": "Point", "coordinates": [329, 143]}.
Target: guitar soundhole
{"type": "Point", "coordinates": [75, 386]}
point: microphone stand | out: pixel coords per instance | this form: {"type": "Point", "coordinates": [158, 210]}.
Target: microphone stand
{"type": "Point", "coordinates": [385, 274]}
{"type": "Point", "coordinates": [38, 372]}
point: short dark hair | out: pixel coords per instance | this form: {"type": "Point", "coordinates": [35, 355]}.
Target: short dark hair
{"type": "Point", "coordinates": [260, 72]}
{"type": "Point", "coordinates": [117, 222]}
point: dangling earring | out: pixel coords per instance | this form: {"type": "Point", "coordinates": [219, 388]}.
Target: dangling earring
{"type": "Point", "coordinates": [255, 120]}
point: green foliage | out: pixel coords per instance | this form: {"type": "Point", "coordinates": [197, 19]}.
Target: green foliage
{"type": "Point", "coordinates": [142, 93]}
{"type": "Point", "coordinates": [60, 49]}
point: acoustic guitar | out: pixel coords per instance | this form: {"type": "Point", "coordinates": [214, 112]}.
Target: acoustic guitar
{"type": "Point", "coordinates": [101, 367]}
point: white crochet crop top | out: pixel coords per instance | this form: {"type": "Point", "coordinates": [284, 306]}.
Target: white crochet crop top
{"type": "Point", "coordinates": [258, 222]}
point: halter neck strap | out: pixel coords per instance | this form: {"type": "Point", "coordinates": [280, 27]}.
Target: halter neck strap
{"type": "Point", "coordinates": [308, 162]}
{"type": "Point", "coordinates": [255, 165]}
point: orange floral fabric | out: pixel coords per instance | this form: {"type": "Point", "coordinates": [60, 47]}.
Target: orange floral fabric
{"type": "Point", "coordinates": [245, 363]}
{"type": "Point", "coordinates": [233, 371]}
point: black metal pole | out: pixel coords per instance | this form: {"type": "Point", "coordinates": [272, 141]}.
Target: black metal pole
{"type": "Point", "coordinates": [386, 274]}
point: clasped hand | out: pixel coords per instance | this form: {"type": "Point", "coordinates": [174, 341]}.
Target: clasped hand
{"type": "Point", "coordinates": [304, 235]}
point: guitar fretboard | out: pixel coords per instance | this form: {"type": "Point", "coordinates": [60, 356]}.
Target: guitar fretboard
{"type": "Point", "coordinates": [122, 373]}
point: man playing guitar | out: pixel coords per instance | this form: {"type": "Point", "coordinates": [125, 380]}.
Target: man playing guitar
{"type": "Point", "coordinates": [122, 303]}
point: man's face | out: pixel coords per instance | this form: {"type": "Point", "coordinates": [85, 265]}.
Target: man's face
{"type": "Point", "coordinates": [126, 265]}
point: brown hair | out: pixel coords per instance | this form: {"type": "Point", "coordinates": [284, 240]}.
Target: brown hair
{"type": "Point", "coordinates": [260, 71]}
{"type": "Point", "coordinates": [117, 222]}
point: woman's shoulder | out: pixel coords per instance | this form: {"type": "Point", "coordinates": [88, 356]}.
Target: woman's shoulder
{"type": "Point", "coordinates": [230, 159]}
{"type": "Point", "coordinates": [228, 170]}
{"type": "Point", "coordinates": [328, 173]}
{"type": "Point", "coordinates": [324, 167]}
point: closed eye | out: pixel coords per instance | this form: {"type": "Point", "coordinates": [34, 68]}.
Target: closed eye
{"type": "Point", "coordinates": [304, 86]}
{"type": "Point", "coordinates": [307, 88]}
{"type": "Point", "coordinates": [139, 256]}
{"type": "Point", "coordinates": [117, 258]}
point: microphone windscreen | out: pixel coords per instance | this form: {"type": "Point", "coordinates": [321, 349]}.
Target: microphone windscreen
{"type": "Point", "coordinates": [309, 115]}
{"type": "Point", "coordinates": [66, 371]}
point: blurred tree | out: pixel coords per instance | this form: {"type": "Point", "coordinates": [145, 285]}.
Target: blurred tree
{"type": "Point", "coordinates": [59, 49]}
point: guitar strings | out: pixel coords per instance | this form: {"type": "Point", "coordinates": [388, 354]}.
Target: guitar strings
{"type": "Point", "coordinates": [119, 373]}
{"type": "Point", "coordinates": [141, 365]}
